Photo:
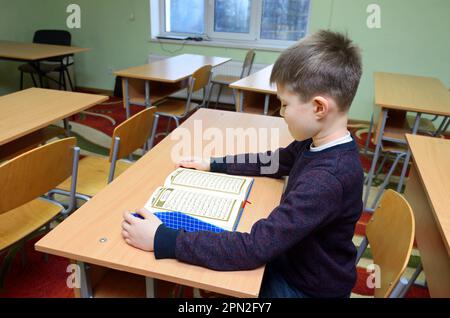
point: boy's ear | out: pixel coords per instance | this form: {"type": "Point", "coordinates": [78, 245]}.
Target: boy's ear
{"type": "Point", "coordinates": [321, 106]}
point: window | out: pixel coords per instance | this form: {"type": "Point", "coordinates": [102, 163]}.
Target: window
{"type": "Point", "coordinates": [265, 21]}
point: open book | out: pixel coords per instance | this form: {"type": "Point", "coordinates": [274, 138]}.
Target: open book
{"type": "Point", "coordinates": [211, 198]}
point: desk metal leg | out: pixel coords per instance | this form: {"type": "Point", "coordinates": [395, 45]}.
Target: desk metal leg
{"type": "Point", "coordinates": [442, 127]}
{"type": "Point", "coordinates": [67, 126]}
{"type": "Point", "coordinates": [408, 155]}
{"type": "Point", "coordinates": [126, 97]}
{"type": "Point", "coordinates": [148, 102]}
{"type": "Point", "coordinates": [239, 100]}
{"type": "Point", "coordinates": [37, 66]}
{"type": "Point", "coordinates": [150, 287]}
{"type": "Point", "coordinates": [85, 281]}
{"type": "Point", "coordinates": [266, 104]}
{"type": "Point", "coordinates": [375, 158]}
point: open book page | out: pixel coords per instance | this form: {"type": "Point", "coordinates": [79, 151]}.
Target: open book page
{"type": "Point", "coordinates": [221, 184]}
{"type": "Point", "coordinates": [218, 210]}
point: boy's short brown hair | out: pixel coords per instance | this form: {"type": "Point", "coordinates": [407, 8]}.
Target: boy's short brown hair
{"type": "Point", "coordinates": [325, 62]}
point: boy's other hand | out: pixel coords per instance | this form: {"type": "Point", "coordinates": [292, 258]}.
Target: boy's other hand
{"type": "Point", "coordinates": [194, 163]}
{"type": "Point", "coordinates": [140, 233]}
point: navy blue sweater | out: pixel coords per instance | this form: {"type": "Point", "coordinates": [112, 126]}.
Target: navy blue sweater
{"type": "Point", "coordinates": [308, 236]}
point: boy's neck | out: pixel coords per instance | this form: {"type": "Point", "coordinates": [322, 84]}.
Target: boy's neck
{"type": "Point", "coordinates": [332, 133]}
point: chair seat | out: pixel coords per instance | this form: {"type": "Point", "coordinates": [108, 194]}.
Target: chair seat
{"type": "Point", "coordinates": [93, 174]}
{"type": "Point", "coordinates": [44, 67]}
{"type": "Point", "coordinates": [174, 107]}
{"type": "Point", "coordinates": [425, 124]}
{"type": "Point", "coordinates": [24, 220]}
{"type": "Point", "coordinates": [224, 79]}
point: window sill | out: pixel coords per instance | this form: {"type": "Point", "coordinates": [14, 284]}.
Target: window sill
{"type": "Point", "coordinates": [225, 43]}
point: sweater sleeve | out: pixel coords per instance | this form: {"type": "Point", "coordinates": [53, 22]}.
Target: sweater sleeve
{"type": "Point", "coordinates": [275, 164]}
{"type": "Point", "coordinates": [307, 207]}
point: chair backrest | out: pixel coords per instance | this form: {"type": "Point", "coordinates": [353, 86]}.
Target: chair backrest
{"type": "Point", "coordinates": [390, 233]}
{"type": "Point", "coordinates": [201, 77]}
{"type": "Point", "coordinates": [248, 64]}
{"type": "Point", "coordinates": [35, 172]}
{"type": "Point", "coordinates": [55, 37]}
{"type": "Point", "coordinates": [133, 133]}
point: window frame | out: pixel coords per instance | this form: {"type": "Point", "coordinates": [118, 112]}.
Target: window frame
{"type": "Point", "coordinates": [254, 35]}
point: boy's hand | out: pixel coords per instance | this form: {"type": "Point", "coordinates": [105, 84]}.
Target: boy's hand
{"type": "Point", "coordinates": [194, 163]}
{"type": "Point", "coordinates": [140, 233]}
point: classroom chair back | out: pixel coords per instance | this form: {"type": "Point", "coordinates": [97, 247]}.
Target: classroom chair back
{"type": "Point", "coordinates": [201, 77]}
{"type": "Point", "coordinates": [130, 136]}
{"type": "Point", "coordinates": [390, 233]}
{"type": "Point", "coordinates": [36, 172]}
{"type": "Point", "coordinates": [248, 64]}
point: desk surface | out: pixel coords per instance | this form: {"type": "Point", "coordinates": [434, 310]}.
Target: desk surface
{"type": "Point", "coordinates": [29, 110]}
{"type": "Point", "coordinates": [173, 69]}
{"type": "Point", "coordinates": [78, 236]}
{"type": "Point", "coordinates": [412, 93]}
{"type": "Point", "coordinates": [431, 158]}
{"type": "Point", "coordinates": [34, 51]}
{"type": "Point", "coordinates": [257, 82]}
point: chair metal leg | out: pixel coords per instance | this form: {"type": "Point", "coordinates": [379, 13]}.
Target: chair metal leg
{"type": "Point", "coordinates": [34, 80]}
{"type": "Point", "coordinates": [21, 80]}
{"type": "Point", "coordinates": [154, 129]}
{"type": "Point", "coordinates": [61, 74]}
{"type": "Point", "coordinates": [362, 247]}
{"type": "Point", "coordinates": [399, 288]}
{"type": "Point", "coordinates": [411, 280]}
{"type": "Point", "coordinates": [69, 78]}
{"type": "Point", "coordinates": [64, 82]}
{"type": "Point", "coordinates": [210, 94]}
{"type": "Point", "coordinates": [374, 159]}
{"type": "Point", "coordinates": [369, 135]}
{"type": "Point", "coordinates": [380, 168]}
{"type": "Point", "coordinates": [386, 179]}
{"type": "Point", "coordinates": [408, 155]}
{"type": "Point", "coordinates": [218, 95]}
{"type": "Point", "coordinates": [168, 125]}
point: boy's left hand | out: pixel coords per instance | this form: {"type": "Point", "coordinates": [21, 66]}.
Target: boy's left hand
{"type": "Point", "coordinates": [140, 233]}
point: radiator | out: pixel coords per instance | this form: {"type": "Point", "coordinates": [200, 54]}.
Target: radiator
{"type": "Point", "coordinates": [232, 67]}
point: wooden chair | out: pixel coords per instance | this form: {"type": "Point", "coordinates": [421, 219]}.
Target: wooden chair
{"type": "Point", "coordinates": [390, 233]}
{"type": "Point", "coordinates": [96, 172]}
{"type": "Point", "coordinates": [225, 80]}
{"type": "Point", "coordinates": [178, 109]}
{"type": "Point", "coordinates": [28, 142]}
{"type": "Point", "coordinates": [24, 180]}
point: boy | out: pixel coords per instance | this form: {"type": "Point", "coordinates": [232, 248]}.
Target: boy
{"type": "Point", "coordinates": [306, 241]}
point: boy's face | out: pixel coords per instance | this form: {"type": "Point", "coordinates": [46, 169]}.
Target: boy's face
{"type": "Point", "coordinates": [301, 118]}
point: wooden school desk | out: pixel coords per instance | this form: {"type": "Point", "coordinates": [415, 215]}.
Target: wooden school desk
{"type": "Point", "coordinates": [149, 83]}
{"type": "Point", "coordinates": [256, 88]}
{"type": "Point", "coordinates": [33, 53]}
{"type": "Point", "coordinates": [93, 233]}
{"type": "Point", "coordinates": [406, 93]}
{"type": "Point", "coordinates": [427, 190]}
{"type": "Point", "coordinates": [29, 110]}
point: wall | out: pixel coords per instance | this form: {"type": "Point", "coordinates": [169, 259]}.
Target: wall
{"type": "Point", "coordinates": [413, 38]}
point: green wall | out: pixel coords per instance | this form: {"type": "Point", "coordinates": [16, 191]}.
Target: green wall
{"type": "Point", "coordinates": [413, 38]}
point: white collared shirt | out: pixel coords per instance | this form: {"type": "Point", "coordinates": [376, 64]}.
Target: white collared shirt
{"type": "Point", "coordinates": [343, 140]}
